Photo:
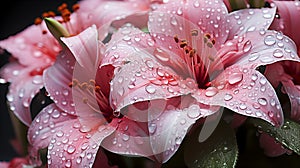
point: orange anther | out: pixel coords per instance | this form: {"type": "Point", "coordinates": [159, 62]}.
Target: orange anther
{"type": "Point", "coordinates": [38, 21]}
{"type": "Point", "coordinates": [75, 7]}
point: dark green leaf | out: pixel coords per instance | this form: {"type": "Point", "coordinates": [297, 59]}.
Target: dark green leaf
{"type": "Point", "coordinates": [288, 134]}
{"type": "Point", "coordinates": [219, 150]}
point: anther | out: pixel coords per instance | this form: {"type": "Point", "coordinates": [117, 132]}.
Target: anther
{"type": "Point", "coordinates": [97, 88]}
{"type": "Point", "coordinates": [75, 7]}
{"type": "Point", "coordinates": [213, 41]}
{"type": "Point", "coordinates": [83, 86]}
{"type": "Point", "coordinates": [183, 43]}
{"type": "Point", "coordinates": [208, 35]}
{"type": "Point", "coordinates": [176, 38]}
{"type": "Point", "coordinates": [192, 52]}
{"type": "Point", "coordinates": [62, 7]}
{"type": "Point", "coordinates": [92, 82]}
{"type": "Point", "coordinates": [38, 21]}
{"type": "Point", "coordinates": [44, 31]}
{"type": "Point", "coordinates": [194, 32]}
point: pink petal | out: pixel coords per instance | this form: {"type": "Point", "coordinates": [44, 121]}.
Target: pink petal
{"type": "Point", "coordinates": [270, 146]}
{"type": "Point", "coordinates": [84, 47]}
{"type": "Point", "coordinates": [248, 20]}
{"type": "Point", "coordinates": [31, 46]}
{"type": "Point", "coordinates": [254, 49]}
{"type": "Point", "coordinates": [287, 23]}
{"type": "Point", "coordinates": [67, 136]}
{"type": "Point", "coordinates": [144, 79]}
{"type": "Point", "coordinates": [99, 12]}
{"type": "Point", "coordinates": [293, 92]}
{"type": "Point", "coordinates": [287, 74]}
{"type": "Point", "coordinates": [23, 88]}
{"type": "Point", "coordinates": [209, 16]}
{"type": "Point", "coordinates": [130, 138]}
{"type": "Point", "coordinates": [57, 79]}
{"type": "Point", "coordinates": [168, 130]}
{"type": "Point", "coordinates": [244, 91]}
{"type": "Point", "coordinates": [4, 164]}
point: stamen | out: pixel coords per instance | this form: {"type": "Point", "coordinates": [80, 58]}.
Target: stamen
{"type": "Point", "coordinates": [183, 43]}
{"type": "Point", "coordinates": [176, 38]}
{"type": "Point", "coordinates": [194, 32]}
{"type": "Point", "coordinates": [207, 35]}
{"type": "Point", "coordinates": [75, 7]}
{"type": "Point", "coordinates": [38, 21]}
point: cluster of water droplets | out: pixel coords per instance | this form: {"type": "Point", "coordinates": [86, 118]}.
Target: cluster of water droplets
{"type": "Point", "coordinates": [71, 145]}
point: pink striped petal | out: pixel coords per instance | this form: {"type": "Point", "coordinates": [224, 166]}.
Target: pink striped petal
{"type": "Point", "coordinates": [57, 79]}
{"type": "Point", "coordinates": [244, 91]}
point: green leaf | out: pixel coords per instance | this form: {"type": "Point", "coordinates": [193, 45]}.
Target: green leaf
{"type": "Point", "coordinates": [219, 150]}
{"type": "Point", "coordinates": [288, 134]}
{"type": "Point", "coordinates": [257, 3]}
{"type": "Point", "coordinates": [237, 4]}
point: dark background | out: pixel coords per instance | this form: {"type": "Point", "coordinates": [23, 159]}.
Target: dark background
{"type": "Point", "coordinates": [16, 15]}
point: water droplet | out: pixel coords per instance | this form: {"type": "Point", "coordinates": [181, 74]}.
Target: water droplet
{"type": "Point", "coordinates": [37, 54]}
{"type": "Point", "coordinates": [211, 91]}
{"type": "Point", "coordinates": [256, 105]}
{"type": "Point", "coordinates": [253, 56]}
{"type": "Point", "coordinates": [247, 46]}
{"type": "Point", "coordinates": [21, 92]}
{"type": "Point", "coordinates": [37, 80]}
{"type": "Point", "coordinates": [267, 15]}
{"type": "Point", "coordinates": [174, 21]}
{"type": "Point", "coordinates": [71, 149]}
{"type": "Point", "coordinates": [178, 140]}
{"type": "Point", "coordinates": [179, 11]}
{"type": "Point", "coordinates": [161, 55]}
{"type": "Point", "coordinates": [270, 40]}
{"type": "Point", "coordinates": [125, 137]}
{"type": "Point", "coordinates": [242, 106]}
{"type": "Point", "coordinates": [126, 38]}
{"type": "Point", "coordinates": [149, 63]}
{"type": "Point", "coordinates": [262, 101]}
{"type": "Point", "coordinates": [152, 128]}
{"type": "Point", "coordinates": [235, 78]}
{"type": "Point", "coordinates": [68, 163]}
{"type": "Point", "coordinates": [228, 96]}
{"type": "Point", "coordinates": [193, 112]}
{"type": "Point", "coordinates": [196, 4]}
{"type": "Point", "coordinates": [78, 160]}
{"type": "Point", "coordinates": [263, 81]}
{"type": "Point", "coordinates": [60, 133]}
{"type": "Point", "coordinates": [278, 53]}
{"type": "Point", "coordinates": [150, 89]}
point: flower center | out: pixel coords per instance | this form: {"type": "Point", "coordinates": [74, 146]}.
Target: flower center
{"type": "Point", "coordinates": [91, 90]}
{"type": "Point", "coordinates": [198, 55]}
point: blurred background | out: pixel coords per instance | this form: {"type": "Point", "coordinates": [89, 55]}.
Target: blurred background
{"type": "Point", "coordinates": [16, 15]}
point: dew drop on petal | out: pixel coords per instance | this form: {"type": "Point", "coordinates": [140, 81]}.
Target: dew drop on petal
{"type": "Point", "coordinates": [253, 56]}
{"type": "Point", "coordinates": [278, 53]}
{"type": "Point", "coordinates": [152, 128]}
{"type": "Point", "coordinates": [211, 91]}
{"type": "Point", "coordinates": [68, 163]}
{"type": "Point", "coordinates": [71, 149]}
{"type": "Point", "coordinates": [235, 78]}
{"type": "Point", "coordinates": [228, 96]}
{"type": "Point", "coordinates": [193, 112]}
{"type": "Point", "coordinates": [247, 46]}
{"type": "Point", "coordinates": [270, 40]}
{"type": "Point", "coordinates": [161, 55]}
{"type": "Point", "coordinates": [150, 89]}
{"type": "Point", "coordinates": [178, 140]}
{"type": "Point", "coordinates": [262, 101]}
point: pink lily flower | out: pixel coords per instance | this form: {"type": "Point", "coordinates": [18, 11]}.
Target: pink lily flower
{"type": "Point", "coordinates": [35, 49]}
{"type": "Point", "coordinates": [197, 51]}
{"type": "Point", "coordinates": [82, 119]}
